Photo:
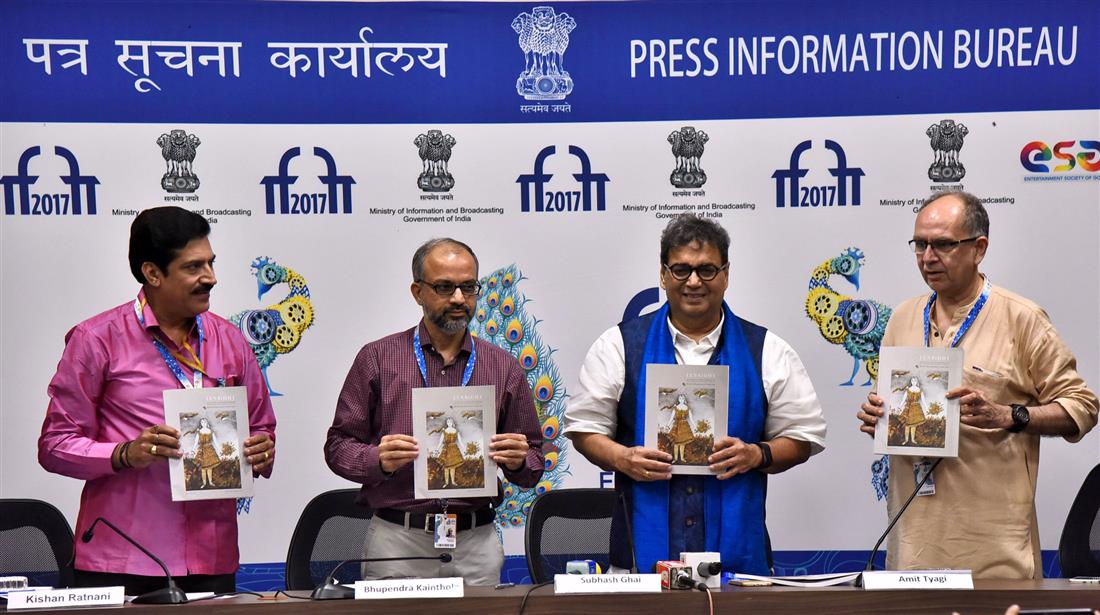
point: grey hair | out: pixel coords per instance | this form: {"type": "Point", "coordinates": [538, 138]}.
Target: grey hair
{"type": "Point", "coordinates": [976, 219]}
{"type": "Point", "coordinates": [422, 253]}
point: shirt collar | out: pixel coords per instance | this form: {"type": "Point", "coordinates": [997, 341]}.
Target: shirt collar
{"type": "Point", "coordinates": [151, 318]}
{"type": "Point", "coordinates": [710, 339]}
{"type": "Point", "coordinates": [426, 339]}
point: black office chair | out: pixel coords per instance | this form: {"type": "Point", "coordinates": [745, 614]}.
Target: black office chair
{"type": "Point", "coordinates": [568, 524]}
{"type": "Point", "coordinates": [332, 528]}
{"type": "Point", "coordinates": [1079, 549]}
{"type": "Point", "coordinates": [35, 542]}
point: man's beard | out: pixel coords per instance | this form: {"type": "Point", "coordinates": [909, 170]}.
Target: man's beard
{"type": "Point", "coordinates": [449, 324]}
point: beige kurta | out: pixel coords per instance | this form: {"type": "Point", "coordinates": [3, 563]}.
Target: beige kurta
{"type": "Point", "coordinates": [982, 516]}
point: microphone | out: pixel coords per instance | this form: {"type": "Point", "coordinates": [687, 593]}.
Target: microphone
{"type": "Point", "coordinates": [629, 535]}
{"type": "Point", "coordinates": [870, 566]}
{"type": "Point", "coordinates": [171, 594]}
{"type": "Point", "coordinates": [331, 590]}
{"type": "Point", "coordinates": [709, 569]}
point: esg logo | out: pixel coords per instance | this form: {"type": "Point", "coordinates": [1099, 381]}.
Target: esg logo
{"type": "Point", "coordinates": [1036, 154]}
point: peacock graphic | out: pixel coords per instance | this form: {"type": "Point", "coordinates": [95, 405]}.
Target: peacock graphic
{"type": "Point", "coordinates": [276, 329]}
{"type": "Point", "coordinates": [501, 319]}
{"type": "Point", "coordinates": [857, 324]}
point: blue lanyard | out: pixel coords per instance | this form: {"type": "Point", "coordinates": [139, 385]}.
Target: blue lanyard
{"type": "Point", "coordinates": [169, 360]}
{"type": "Point", "coordinates": [419, 352]}
{"type": "Point", "coordinates": [973, 315]}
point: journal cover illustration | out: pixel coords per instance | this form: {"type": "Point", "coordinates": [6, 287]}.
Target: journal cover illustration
{"type": "Point", "coordinates": [685, 407]}
{"type": "Point", "coordinates": [454, 426]}
{"type": "Point", "coordinates": [213, 425]}
{"type": "Point", "coordinates": [920, 420]}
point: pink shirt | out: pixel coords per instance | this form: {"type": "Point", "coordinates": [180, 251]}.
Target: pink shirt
{"type": "Point", "coordinates": [107, 389]}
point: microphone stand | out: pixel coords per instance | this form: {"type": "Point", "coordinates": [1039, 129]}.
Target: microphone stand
{"type": "Point", "coordinates": [629, 534]}
{"type": "Point", "coordinates": [870, 566]}
{"type": "Point", "coordinates": [331, 590]}
{"type": "Point", "coordinates": [171, 594]}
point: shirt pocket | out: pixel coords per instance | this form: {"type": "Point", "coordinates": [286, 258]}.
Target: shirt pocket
{"type": "Point", "coordinates": [990, 383]}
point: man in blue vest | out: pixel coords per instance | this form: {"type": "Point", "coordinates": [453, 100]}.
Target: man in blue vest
{"type": "Point", "coordinates": [774, 418]}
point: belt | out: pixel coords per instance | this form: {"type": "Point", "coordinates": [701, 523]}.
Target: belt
{"type": "Point", "coordinates": [426, 521]}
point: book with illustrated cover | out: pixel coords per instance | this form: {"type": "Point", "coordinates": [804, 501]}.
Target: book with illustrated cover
{"type": "Point", "coordinates": [213, 425]}
{"type": "Point", "coordinates": [919, 419]}
{"type": "Point", "coordinates": [454, 426]}
{"type": "Point", "coordinates": [685, 411]}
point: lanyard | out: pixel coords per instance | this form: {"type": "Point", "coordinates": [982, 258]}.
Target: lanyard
{"type": "Point", "coordinates": [419, 352]}
{"type": "Point", "coordinates": [171, 359]}
{"type": "Point", "coordinates": [974, 311]}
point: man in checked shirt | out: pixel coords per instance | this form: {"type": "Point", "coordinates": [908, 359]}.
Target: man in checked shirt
{"type": "Point", "coordinates": [370, 442]}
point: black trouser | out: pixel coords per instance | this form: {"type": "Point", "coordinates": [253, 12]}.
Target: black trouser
{"type": "Point", "coordinates": [137, 585]}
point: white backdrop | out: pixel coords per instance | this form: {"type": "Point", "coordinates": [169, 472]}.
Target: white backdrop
{"type": "Point", "coordinates": [581, 268]}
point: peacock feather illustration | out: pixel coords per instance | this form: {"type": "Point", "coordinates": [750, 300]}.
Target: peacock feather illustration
{"type": "Point", "coordinates": [276, 329]}
{"type": "Point", "coordinates": [502, 319]}
{"type": "Point", "coordinates": [855, 324]}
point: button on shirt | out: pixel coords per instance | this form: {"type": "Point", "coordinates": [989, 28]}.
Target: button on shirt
{"type": "Point", "coordinates": [376, 400]}
{"type": "Point", "coordinates": [793, 411]}
{"type": "Point", "coordinates": [793, 408]}
{"type": "Point", "coordinates": [982, 516]}
{"type": "Point", "coordinates": [107, 389]}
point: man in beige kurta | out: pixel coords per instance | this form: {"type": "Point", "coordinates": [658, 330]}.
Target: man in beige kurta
{"type": "Point", "coordinates": [982, 515]}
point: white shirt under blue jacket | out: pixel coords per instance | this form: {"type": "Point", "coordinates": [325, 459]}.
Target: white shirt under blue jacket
{"type": "Point", "coordinates": [790, 409]}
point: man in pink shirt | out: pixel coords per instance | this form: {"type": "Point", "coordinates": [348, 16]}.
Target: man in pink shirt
{"type": "Point", "coordinates": [105, 420]}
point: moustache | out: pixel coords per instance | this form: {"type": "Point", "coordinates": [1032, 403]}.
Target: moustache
{"type": "Point", "coordinates": [202, 289]}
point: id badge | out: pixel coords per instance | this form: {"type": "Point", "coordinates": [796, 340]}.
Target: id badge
{"type": "Point", "coordinates": [920, 469]}
{"type": "Point", "coordinates": [446, 531]}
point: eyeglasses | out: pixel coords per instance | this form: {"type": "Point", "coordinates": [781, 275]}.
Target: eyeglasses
{"type": "Point", "coordinates": [706, 272]}
{"type": "Point", "coordinates": [446, 289]}
{"type": "Point", "coordinates": [940, 246]}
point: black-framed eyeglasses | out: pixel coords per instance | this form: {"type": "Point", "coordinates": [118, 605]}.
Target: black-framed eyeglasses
{"type": "Point", "coordinates": [940, 246]}
{"type": "Point", "coordinates": [446, 289]}
{"type": "Point", "coordinates": [706, 272]}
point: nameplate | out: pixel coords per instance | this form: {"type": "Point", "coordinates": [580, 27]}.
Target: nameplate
{"type": "Point", "coordinates": [607, 583]}
{"type": "Point", "coordinates": [60, 598]}
{"type": "Point", "coordinates": [409, 588]}
{"type": "Point", "coordinates": [918, 579]}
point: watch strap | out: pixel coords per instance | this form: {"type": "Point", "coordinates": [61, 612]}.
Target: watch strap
{"type": "Point", "coordinates": [766, 449]}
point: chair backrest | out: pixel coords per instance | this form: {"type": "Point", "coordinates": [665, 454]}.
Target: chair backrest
{"type": "Point", "coordinates": [35, 542]}
{"type": "Point", "coordinates": [332, 528]}
{"type": "Point", "coordinates": [568, 524]}
{"type": "Point", "coordinates": [1079, 549]}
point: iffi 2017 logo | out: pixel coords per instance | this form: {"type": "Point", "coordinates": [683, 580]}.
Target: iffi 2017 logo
{"type": "Point", "coordinates": [281, 199]}
{"type": "Point", "coordinates": [844, 191]}
{"type": "Point", "coordinates": [17, 188]}
{"type": "Point", "coordinates": [556, 200]}
{"type": "Point", "coordinates": [543, 37]}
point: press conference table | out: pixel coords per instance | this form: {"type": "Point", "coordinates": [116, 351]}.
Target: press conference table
{"type": "Point", "coordinates": [991, 597]}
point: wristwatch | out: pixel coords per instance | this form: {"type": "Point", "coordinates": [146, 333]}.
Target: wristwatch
{"type": "Point", "coordinates": [767, 451]}
{"type": "Point", "coordinates": [1021, 416]}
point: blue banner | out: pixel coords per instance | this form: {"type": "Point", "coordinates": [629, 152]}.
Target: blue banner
{"type": "Point", "coordinates": [313, 62]}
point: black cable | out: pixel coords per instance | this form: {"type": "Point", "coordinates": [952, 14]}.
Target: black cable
{"type": "Point", "coordinates": [702, 586]}
{"type": "Point", "coordinates": [523, 603]}
{"type": "Point", "coordinates": [276, 595]}
{"type": "Point", "coordinates": [871, 560]}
